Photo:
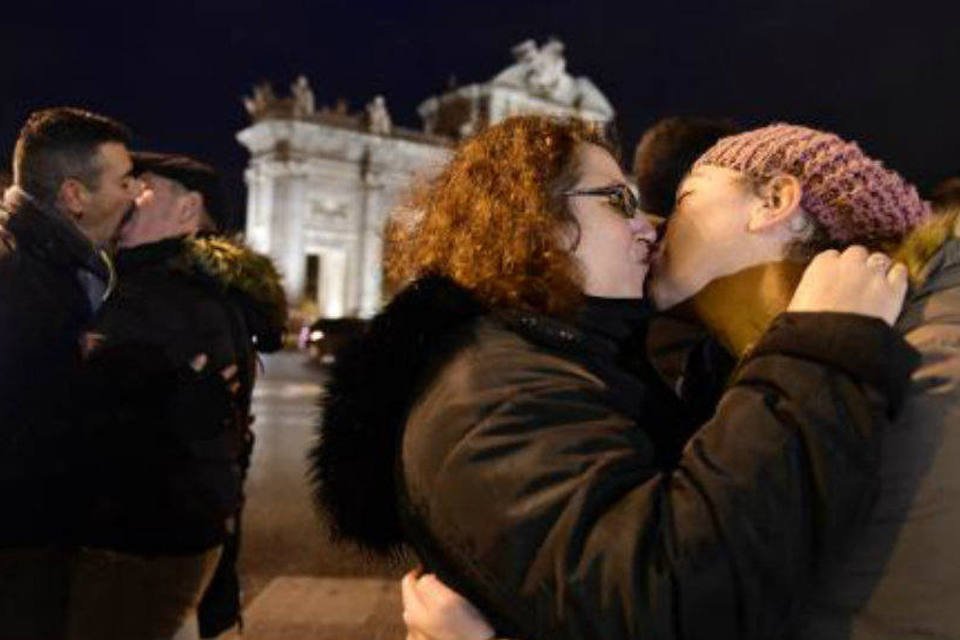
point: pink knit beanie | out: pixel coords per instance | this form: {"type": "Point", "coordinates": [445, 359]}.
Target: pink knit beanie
{"type": "Point", "coordinates": [851, 195]}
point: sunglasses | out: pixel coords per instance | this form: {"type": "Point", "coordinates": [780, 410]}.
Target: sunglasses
{"type": "Point", "coordinates": [619, 196]}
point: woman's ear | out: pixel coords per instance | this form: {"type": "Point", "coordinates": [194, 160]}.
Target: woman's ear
{"type": "Point", "coordinates": [778, 204]}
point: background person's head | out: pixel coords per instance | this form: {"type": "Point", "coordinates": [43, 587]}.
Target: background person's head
{"type": "Point", "coordinates": [665, 153]}
{"type": "Point", "coordinates": [500, 220]}
{"type": "Point", "coordinates": [182, 197]}
{"type": "Point", "coordinates": [777, 193]}
{"type": "Point", "coordinates": [77, 162]}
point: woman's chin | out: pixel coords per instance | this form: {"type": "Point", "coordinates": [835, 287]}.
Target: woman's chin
{"type": "Point", "coordinates": [662, 292]}
{"type": "Point", "coordinates": [618, 291]}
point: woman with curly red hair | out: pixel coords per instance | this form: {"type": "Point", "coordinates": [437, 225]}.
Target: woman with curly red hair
{"type": "Point", "coordinates": [489, 221]}
{"type": "Point", "coordinates": [499, 415]}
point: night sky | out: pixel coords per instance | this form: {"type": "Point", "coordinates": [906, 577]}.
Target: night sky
{"type": "Point", "coordinates": [883, 73]}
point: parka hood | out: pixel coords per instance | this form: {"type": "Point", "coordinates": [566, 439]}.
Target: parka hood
{"type": "Point", "coordinates": [250, 277]}
{"type": "Point", "coordinates": [923, 243]}
{"type": "Point", "coordinates": [371, 388]}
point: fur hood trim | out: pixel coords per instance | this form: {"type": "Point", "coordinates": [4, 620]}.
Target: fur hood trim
{"type": "Point", "coordinates": [372, 386]}
{"type": "Point", "coordinates": [249, 275]}
{"type": "Point", "coordinates": [922, 244]}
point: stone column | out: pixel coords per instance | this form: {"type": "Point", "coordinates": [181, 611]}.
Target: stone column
{"type": "Point", "coordinates": [259, 220]}
{"type": "Point", "coordinates": [374, 215]}
{"type": "Point", "coordinates": [289, 209]}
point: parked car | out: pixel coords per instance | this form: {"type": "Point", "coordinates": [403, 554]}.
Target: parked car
{"type": "Point", "coordinates": [325, 336]}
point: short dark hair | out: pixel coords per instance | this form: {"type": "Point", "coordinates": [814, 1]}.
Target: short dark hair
{"type": "Point", "coordinates": [60, 143]}
{"type": "Point", "coordinates": [666, 152]}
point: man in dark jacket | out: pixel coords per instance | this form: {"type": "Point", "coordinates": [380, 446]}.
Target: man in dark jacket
{"type": "Point", "coordinates": [181, 457]}
{"type": "Point", "coordinates": [73, 183]}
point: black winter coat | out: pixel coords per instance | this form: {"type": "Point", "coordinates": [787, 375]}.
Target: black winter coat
{"type": "Point", "coordinates": [45, 308]}
{"type": "Point", "coordinates": [527, 484]}
{"type": "Point", "coordinates": [176, 439]}
{"type": "Point", "coordinates": [902, 580]}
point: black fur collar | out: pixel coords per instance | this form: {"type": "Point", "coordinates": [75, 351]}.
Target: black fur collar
{"type": "Point", "coordinates": [369, 394]}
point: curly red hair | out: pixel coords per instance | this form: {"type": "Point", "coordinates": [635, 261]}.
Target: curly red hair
{"type": "Point", "coordinates": [492, 220]}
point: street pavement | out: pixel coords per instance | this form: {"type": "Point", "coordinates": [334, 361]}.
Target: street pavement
{"type": "Point", "coordinates": [297, 583]}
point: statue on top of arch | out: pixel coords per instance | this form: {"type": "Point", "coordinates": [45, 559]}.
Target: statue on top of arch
{"type": "Point", "coordinates": [378, 118]}
{"type": "Point", "coordinates": [304, 103]}
{"type": "Point", "coordinates": [264, 102]}
{"type": "Point", "coordinates": [545, 66]}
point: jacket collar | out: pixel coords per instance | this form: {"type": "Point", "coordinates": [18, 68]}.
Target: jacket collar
{"type": "Point", "coordinates": [56, 240]}
{"type": "Point", "coordinates": [150, 253]}
{"type": "Point", "coordinates": [50, 233]}
{"type": "Point", "coordinates": [602, 326]}
{"type": "Point", "coordinates": [249, 278]}
{"type": "Point", "coordinates": [942, 271]}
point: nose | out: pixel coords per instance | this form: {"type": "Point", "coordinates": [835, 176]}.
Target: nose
{"type": "Point", "coordinates": [642, 226]}
{"type": "Point", "coordinates": [137, 186]}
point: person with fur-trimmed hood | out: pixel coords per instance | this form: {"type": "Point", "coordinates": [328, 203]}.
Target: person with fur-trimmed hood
{"type": "Point", "coordinates": [169, 475]}
{"type": "Point", "coordinates": [896, 583]}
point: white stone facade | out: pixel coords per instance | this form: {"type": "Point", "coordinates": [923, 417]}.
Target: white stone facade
{"type": "Point", "coordinates": [321, 183]}
{"type": "Point", "coordinates": [325, 191]}
{"type": "Point", "coordinates": [536, 83]}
